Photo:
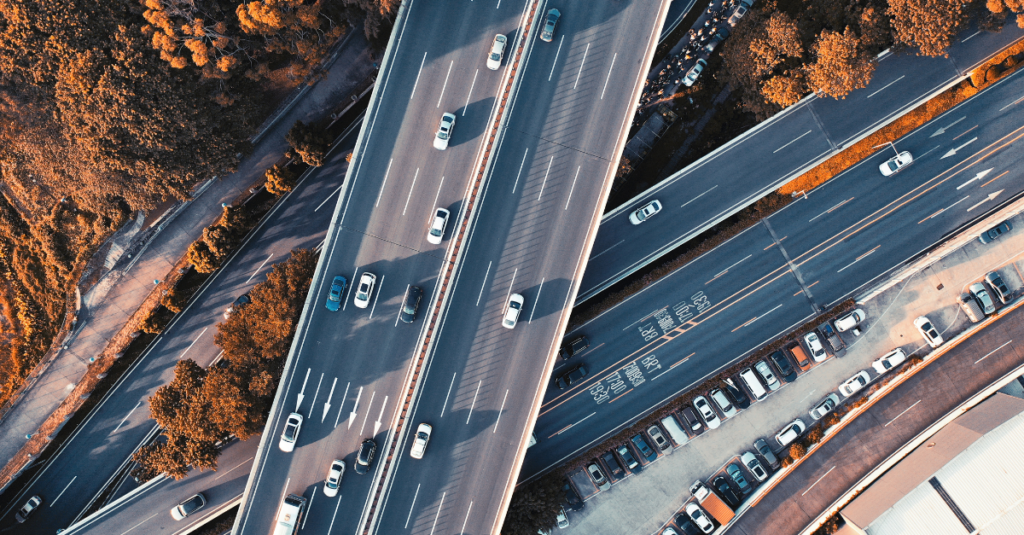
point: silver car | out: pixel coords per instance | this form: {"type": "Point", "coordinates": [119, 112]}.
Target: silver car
{"type": "Point", "coordinates": [750, 461]}
{"type": "Point", "coordinates": [723, 403]}
{"type": "Point", "coordinates": [824, 406]}
{"type": "Point", "coordinates": [765, 372]}
{"type": "Point", "coordinates": [978, 291]}
{"type": "Point", "coordinates": [694, 72]}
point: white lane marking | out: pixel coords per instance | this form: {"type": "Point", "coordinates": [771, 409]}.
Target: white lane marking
{"type": "Point", "coordinates": [726, 270]}
{"type": "Point", "coordinates": [969, 37]}
{"type": "Point", "coordinates": [859, 258]}
{"type": "Point", "coordinates": [471, 86]}
{"type": "Point", "coordinates": [315, 394]}
{"type": "Point", "coordinates": [259, 268]}
{"type": "Point", "coordinates": [830, 210]}
{"type": "Point", "coordinates": [438, 515]}
{"type": "Point", "coordinates": [991, 196]}
{"type": "Point", "coordinates": [695, 198]}
{"type": "Point", "coordinates": [545, 181]}
{"type": "Point", "coordinates": [484, 285]}
{"type": "Point", "coordinates": [54, 502]}
{"type": "Point", "coordinates": [573, 188]}
{"type": "Point", "coordinates": [944, 129]}
{"type": "Point", "coordinates": [470, 508]}
{"type": "Point", "coordinates": [819, 479]}
{"type": "Point", "coordinates": [946, 208]}
{"type": "Point", "coordinates": [378, 423]}
{"type": "Point", "coordinates": [384, 183]}
{"type": "Point", "coordinates": [902, 413]}
{"type": "Point", "coordinates": [319, 206]}
{"type": "Point", "coordinates": [140, 523]}
{"type": "Point", "coordinates": [377, 297]}
{"type": "Point", "coordinates": [472, 405]}
{"type": "Point", "coordinates": [331, 527]}
{"type": "Point", "coordinates": [553, 63]}
{"type": "Point", "coordinates": [438, 194]}
{"type": "Point", "coordinates": [993, 351]}
{"type": "Point", "coordinates": [349, 292]}
{"type": "Point", "coordinates": [418, 73]}
{"type": "Point", "coordinates": [412, 506]}
{"type": "Point", "coordinates": [412, 187]}
{"type": "Point", "coordinates": [510, 285]}
{"type": "Point", "coordinates": [445, 86]}
{"type": "Point", "coordinates": [124, 419]}
{"type": "Point", "coordinates": [337, 419]}
{"type": "Point", "coordinates": [443, 407]}
{"type": "Point", "coordinates": [886, 86]}
{"type": "Point", "coordinates": [751, 322]}
{"type": "Point", "coordinates": [327, 404]}
{"type": "Point", "coordinates": [399, 315]}
{"type": "Point", "coordinates": [608, 249]}
{"type": "Point", "coordinates": [584, 60]}
{"type": "Point", "coordinates": [308, 509]}
{"type": "Point", "coordinates": [535, 301]}
{"type": "Point", "coordinates": [520, 171]}
{"type": "Point", "coordinates": [1006, 106]}
{"type": "Point", "coordinates": [192, 344]}
{"type": "Point", "coordinates": [232, 468]}
{"type": "Point", "coordinates": [570, 426]}
{"type": "Point", "coordinates": [498, 419]}
{"type": "Point", "coordinates": [372, 395]}
{"type": "Point", "coordinates": [664, 372]}
{"type": "Point", "coordinates": [791, 142]}
{"type": "Point", "coordinates": [609, 77]}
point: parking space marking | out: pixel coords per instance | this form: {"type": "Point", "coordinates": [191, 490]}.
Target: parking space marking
{"type": "Point", "coordinates": [819, 479]}
{"type": "Point", "coordinates": [902, 413]}
{"type": "Point", "coordinates": [993, 351]}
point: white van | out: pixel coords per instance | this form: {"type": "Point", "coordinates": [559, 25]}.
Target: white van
{"type": "Point", "coordinates": [290, 516]}
{"type": "Point", "coordinates": [675, 431]}
{"type": "Point", "coordinates": [753, 384]}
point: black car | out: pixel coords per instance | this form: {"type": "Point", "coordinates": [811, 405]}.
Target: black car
{"type": "Point", "coordinates": [643, 447]}
{"type": "Point", "coordinates": [411, 304]}
{"type": "Point", "coordinates": [571, 377]}
{"type": "Point", "coordinates": [737, 476]}
{"type": "Point", "coordinates": [687, 525]}
{"type": "Point", "coordinates": [577, 346]}
{"type": "Point", "coordinates": [786, 370]}
{"type": "Point", "coordinates": [614, 468]}
{"type": "Point", "coordinates": [995, 232]}
{"type": "Point", "coordinates": [239, 303]}
{"type": "Point", "coordinates": [572, 498]}
{"type": "Point", "coordinates": [693, 423]}
{"type": "Point", "coordinates": [725, 491]}
{"type": "Point", "coordinates": [739, 398]}
{"type": "Point", "coordinates": [627, 457]}
{"type": "Point", "coordinates": [365, 457]}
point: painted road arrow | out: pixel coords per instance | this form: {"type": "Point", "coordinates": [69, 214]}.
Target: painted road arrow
{"type": "Point", "coordinates": [301, 395]}
{"type": "Point", "coordinates": [352, 415]}
{"type": "Point", "coordinates": [979, 176]}
{"type": "Point", "coordinates": [943, 129]}
{"type": "Point", "coordinates": [991, 196]}
{"type": "Point", "coordinates": [377, 424]}
{"type": "Point", "coordinates": [953, 151]}
{"type": "Point", "coordinates": [327, 406]}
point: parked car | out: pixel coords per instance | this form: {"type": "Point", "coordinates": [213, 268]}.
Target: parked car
{"type": "Point", "coordinates": [562, 519]}
{"type": "Point", "coordinates": [497, 51]}
{"type": "Point", "coordinates": [998, 286]}
{"type": "Point", "coordinates": [850, 321]}
{"type": "Point", "coordinates": [725, 491]}
{"type": "Point", "coordinates": [364, 459]}
{"type": "Point", "coordinates": [692, 421]}
{"type": "Point", "coordinates": [572, 498]}
{"type": "Point", "coordinates": [364, 290]}
{"type": "Point", "coordinates": [598, 476]}
{"type": "Point", "coordinates": [782, 364]}
{"type": "Point", "coordinates": [855, 383]}
{"type": "Point", "coordinates": [723, 402]}
{"type": "Point", "coordinates": [981, 295]}
{"type": "Point", "coordinates": [762, 447]}
{"type": "Point", "coordinates": [571, 377]}
{"type": "Point", "coordinates": [928, 331]}
{"type": "Point", "coordinates": [628, 458]}
{"type": "Point", "coordinates": [824, 406]}
{"type": "Point", "coordinates": [699, 517]}
{"type": "Point", "coordinates": [800, 356]}
{"type": "Point", "coordinates": [687, 525]}
{"type": "Point", "coordinates": [737, 476]}
{"type": "Point", "coordinates": [644, 448]}
{"type": "Point", "coordinates": [444, 131]}
{"type": "Point", "coordinates": [814, 344]}
{"type": "Point", "coordinates": [658, 437]}
{"type": "Point", "coordinates": [645, 212]}
{"type": "Point", "coordinates": [26, 510]}
{"type": "Point", "coordinates": [889, 361]}
{"type": "Point", "coordinates": [189, 506]}
{"type": "Point", "coordinates": [419, 442]}
{"type": "Point", "coordinates": [737, 14]}
{"type": "Point", "coordinates": [290, 435]}
{"type": "Point", "coordinates": [706, 412]}
{"type": "Point", "coordinates": [790, 433]}
{"type": "Point", "coordinates": [437, 226]}
{"type": "Point", "coordinates": [547, 34]}
{"type": "Point", "coordinates": [512, 311]}
{"type": "Point", "coordinates": [995, 232]}
{"type": "Point", "coordinates": [614, 468]}
{"type": "Point", "coordinates": [334, 295]}
{"type": "Point", "coordinates": [334, 475]}
{"type": "Point", "coordinates": [573, 348]}
{"type": "Point", "coordinates": [767, 375]}
{"type": "Point", "coordinates": [750, 461]}
{"type": "Point", "coordinates": [694, 72]}
{"type": "Point", "coordinates": [736, 394]}
{"type": "Point", "coordinates": [896, 163]}
{"type": "Point", "coordinates": [237, 304]}
{"type": "Point", "coordinates": [411, 304]}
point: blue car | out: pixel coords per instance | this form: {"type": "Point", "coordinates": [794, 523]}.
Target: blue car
{"type": "Point", "coordinates": [334, 298]}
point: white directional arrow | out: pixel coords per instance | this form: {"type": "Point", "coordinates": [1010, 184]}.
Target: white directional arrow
{"type": "Point", "coordinates": [301, 395]}
{"type": "Point", "coordinates": [355, 408]}
{"type": "Point", "coordinates": [943, 129]}
{"type": "Point", "coordinates": [377, 424]}
{"type": "Point", "coordinates": [978, 176]}
{"type": "Point", "coordinates": [327, 406]}
{"type": "Point", "coordinates": [991, 196]}
{"type": "Point", "coordinates": [953, 151]}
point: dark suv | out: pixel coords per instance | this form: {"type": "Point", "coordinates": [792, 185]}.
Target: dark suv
{"type": "Point", "coordinates": [614, 468]}
{"type": "Point", "coordinates": [786, 370]}
{"type": "Point", "coordinates": [365, 457]}
{"type": "Point", "coordinates": [577, 346]}
{"type": "Point", "coordinates": [571, 377]}
{"type": "Point", "coordinates": [572, 498]}
{"type": "Point", "coordinates": [411, 304]}
{"type": "Point", "coordinates": [725, 491]}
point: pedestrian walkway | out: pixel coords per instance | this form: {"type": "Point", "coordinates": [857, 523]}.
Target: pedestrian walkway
{"type": "Point", "coordinates": [142, 252]}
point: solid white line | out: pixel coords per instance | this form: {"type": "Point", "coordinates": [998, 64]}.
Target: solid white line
{"type": "Point", "coordinates": [412, 506]}
{"type": "Point", "coordinates": [609, 77]}
{"type": "Point", "coordinates": [496, 420]}
{"type": "Point", "coordinates": [54, 502]}
{"type": "Point", "coordinates": [726, 270]}
{"type": "Point", "coordinates": [762, 315]}
{"type": "Point", "coordinates": [993, 351]}
{"type": "Point", "coordinates": [418, 73]}
{"type": "Point", "coordinates": [236, 466]}
{"type": "Point", "coordinates": [553, 63]}
{"type": "Point", "coordinates": [445, 86]}
{"type": "Point", "coordinates": [412, 187]}
{"type": "Point", "coordinates": [819, 479]}
{"type": "Point", "coordinates": [377, 297]}
{"type": "Point", "coordinates": [571, 189]}
{"type": "Point", "coordinates": [1011, 104]}
{"type": "Point", "coordinates": [192, 344]}
{"type": "Point", "coordinates": [139, 524]}
{"type": "Point", "coordinates": [331, 527]}
{"type": "Point", "coordinates": [520, 171]}
{"type": "Point", "coordinates": [886, 86]}
{"type": "Point", "coordinates": [438, 512]}
{"type": "Point", "coordinates": [470, 508]}
{"type": "Point", "coordinates": [438, 194]}
{"type": "Point", "coordinates": [902, 413]}
{"type": "Point", "coordinates": [609, 249]}
{"type": "Point", "coordinates": [581, 66]}
{"type": "Point", "coordinates": [342, 404]}
{"type": "Point", "coordinates": [830, 210]}
{"type": "Point", "coordinates": [123, 419]}
{"type": "Point", "coordinates": [308, 509]}
{"type": "Point", "coordinates": [670, 368]}
{"type": "Point", "coordinates": [791, 142]}
{"type": "Point", "coordinates": [695, 198]}
{"type": "Point", "coordinates": [399, 315]}
{"type": "Point", "coordinates": [859, 258]}
{"type": "Point", "coordinates": [367, 415]}
{"type": "Point", "coordinates": [443, 407]}
{"type": "Point", "coordinates": [466, 107]}
{"type": "Point", "coordinates": [474, 401]}
{"type": "Point", "coordinates": [969, 37]}
{"type": "Point", "coordinates": [535, 301]}
{"type": "Point", "coordinates": [328, 198]}
{"type": "Point", "coordinates": [546, 173]}
{"type": "Point", "coordinates": [576, 423]}
{"type": "Point", "coordinates": [484, 285]}
{"type": "Point", "coordinates": [384, 183]}
{"type": "Point", "coordinates": [259, 268]}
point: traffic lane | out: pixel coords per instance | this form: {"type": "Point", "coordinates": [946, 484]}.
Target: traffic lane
{"type": "Point", "coordinates": [972, 46]}
{"type": "Point", "coordinates": [704, 193]}
{"type": "Point", "coordinates": [874, 435]}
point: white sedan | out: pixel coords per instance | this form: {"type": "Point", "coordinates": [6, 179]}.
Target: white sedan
{"type": "Point", "coordinates": [364, 290]}
{"type": "Point", "coordinates": [515, 306]}
{"type": "Point", "coordinates": [436, 232]}
{"type": "Point", "coordinates": [497, 51]}
{"type": "Point", "coordinates": [419, 442]}
{"type": "Point", "coordinates": [896, 164]}
{"type": "Point", "coordinates": [697, 515]}
{"type": "Point", "coordinates": [855, 383]}
{"type": "Point", "coordinates": [889, 361]}
{"type": "Point", "coordinates": [928, 331]}
{"type": "Point", "coordinates": [333, 480]}
{"type": "Point", "coordinates": [645, 212]}
{"type": "Point", "coordinates": [444, 131]}
{"type": "Point", "coordinates": [290, 435]}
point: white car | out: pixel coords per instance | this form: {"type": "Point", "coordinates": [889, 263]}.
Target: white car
{"type": "Point", "coordinates": [419, 443]}
{"type": "Point", "coordinates": [889, 361]}
{"type": "Point", "coordinates": [896, 164]}
{"type": "Point", "coordinates": [290, 435]}
{"type": "Point", "coordinates": [850, 321]}
{"type": "Point", "coordinates": [790, 433]}
{"type": "Point", "coordinates": [855, 383]}
{"type": "Point", "coordinates": [497, 51]}
{"type": "Point", "coordinates": [824, 407]}
{"type": "Point", "coordinates": [444, 131]}
{"type": "Point", "coordinates": [750, 461]}
{"type": "Point", "coordinates": [188, 507]}
{"type": "Point", "coordinates": [697, 515]}
{"type": "Point", "coordinates": [694, 72]}
{"type": "Point", "coordinates": [562, 519]}
{"type": "Point", "coordinates": [706, 412]}
{"type": "Point", "coordinates": [333, 480]}
{"type": "Point", "coordinates": [512, 310]}
{"type": "Point", "coordinates": [364, 290]}
{"type": "Point", "coordinates": [436, 232]}
{"type": "Point", "coordinates": [645, 212]}
{"type": "Point", "coordinates": [814, 344]}
{"type": "Point", "coordinates": [928, 331]}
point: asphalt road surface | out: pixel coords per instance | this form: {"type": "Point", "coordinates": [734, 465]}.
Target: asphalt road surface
{"type": "Point", "coordinates": [533, 221]}
{"type": "Point", "coordinates": [763, 159]}
{"type": "Point", "coordinates": [775, 275]}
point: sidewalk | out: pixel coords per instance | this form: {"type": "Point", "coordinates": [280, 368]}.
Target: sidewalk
{"type": "Point", "coordinates": [141, 252]}
{"type": "Point", "coordinates": [643, 503]}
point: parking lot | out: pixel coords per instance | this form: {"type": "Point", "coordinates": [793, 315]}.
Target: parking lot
{"type": "Point", "coordinates": [648, 501]}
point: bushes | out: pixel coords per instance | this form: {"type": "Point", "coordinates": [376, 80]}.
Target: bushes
{"type": "Point", "coordinates": [280, 180]}
{"type": "Point", "coordinates": [534, 506]}
{"type": "Point", "coordinates": [207, 253]}
{"type": "Point", "coordinates": [796, 451]}
{"type": "Point", "coordinates": [310, 142]}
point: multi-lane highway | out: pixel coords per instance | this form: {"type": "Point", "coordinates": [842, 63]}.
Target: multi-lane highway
{"type": "Point", "coordinates": [775, 275]}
